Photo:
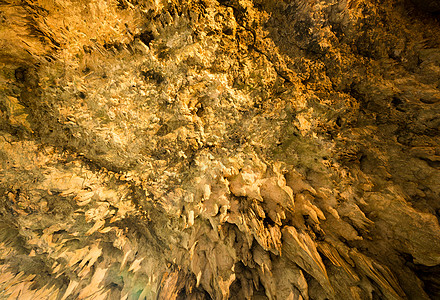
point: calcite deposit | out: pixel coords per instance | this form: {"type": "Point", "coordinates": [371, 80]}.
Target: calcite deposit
{"type": "Point", "coordinates": [219, 149]}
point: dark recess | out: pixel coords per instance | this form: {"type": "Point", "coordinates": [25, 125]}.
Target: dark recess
{"type": "Point", "coordinates": [430, 6]}
{"type": "Point", "coordinates": [20, 74]}
{"type": "Point", "coordinates": [146, 37]}
{"type": "Point", "coordinates": [153, 75]}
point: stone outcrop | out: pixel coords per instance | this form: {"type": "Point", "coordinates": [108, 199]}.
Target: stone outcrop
{"type": "Point", "coordinates": [238, 149]}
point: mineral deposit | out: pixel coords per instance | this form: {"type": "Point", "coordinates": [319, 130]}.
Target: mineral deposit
{"type": "Point", "coordinates": [219, 149]}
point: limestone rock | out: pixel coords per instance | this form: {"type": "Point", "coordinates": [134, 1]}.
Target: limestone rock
{"type": "Point", "coordinates": [219, 149]}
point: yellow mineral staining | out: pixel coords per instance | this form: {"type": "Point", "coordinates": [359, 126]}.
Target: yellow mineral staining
{"type": "Point", "coordinates": [218, 149]}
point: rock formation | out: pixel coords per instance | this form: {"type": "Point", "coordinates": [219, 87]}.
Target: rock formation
{"type": "Point", "coordinates": [219, 149]}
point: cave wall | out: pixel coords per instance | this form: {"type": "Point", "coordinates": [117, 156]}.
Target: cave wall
{"type": "Point", "coordinates": [239, 149]}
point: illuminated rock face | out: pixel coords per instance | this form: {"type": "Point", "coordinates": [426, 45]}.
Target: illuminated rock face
{"type": "Point", "coordinates": [219, 149]}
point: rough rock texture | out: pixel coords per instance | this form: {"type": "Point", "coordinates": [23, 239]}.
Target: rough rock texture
{"type": "Point", "coordinates": [241, 149]}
